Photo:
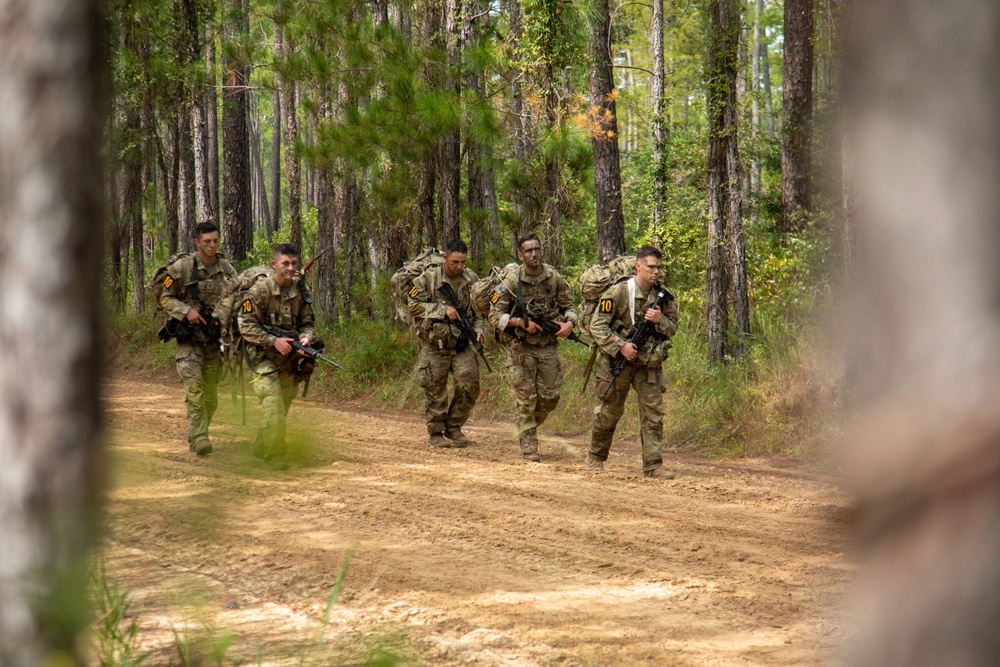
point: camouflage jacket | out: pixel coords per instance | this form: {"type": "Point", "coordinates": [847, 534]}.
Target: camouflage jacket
{"type": "Point", "coordinates": [613, 323]}
{"type": "Point", "coordinates": [214, 284]}
{"type": "Point", "coordinates": [545, 294]}
{"type": "Point", "coordinates": [267, 304]}
{"type": "Point", "coordinates": [427, 305]}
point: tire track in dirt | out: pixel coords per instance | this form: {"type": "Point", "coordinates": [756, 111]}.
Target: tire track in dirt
{"type": "Point", "coordinates": [473, 556]}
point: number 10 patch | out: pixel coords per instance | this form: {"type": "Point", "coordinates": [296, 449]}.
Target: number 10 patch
{"type": "Point", "coordinates": [247, 306]}
{"type": "Point", "coordinates": [607, 305]}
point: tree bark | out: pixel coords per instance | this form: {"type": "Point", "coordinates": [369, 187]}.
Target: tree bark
{"type": "Point", "coordinates": [659, 120]}
{"type": "Point", "coordinates": [275, 220]}
{"type": "Point", "coordinates": [451, 149]}
{"type": "Point", "coordinates": [187, 204]}
{"type": "Point", "coordinates": [51, 135]}
{"type": "Point", "coordinates": [796, 136]}
{"type": "Point", "coordinates": [726, 272]}
{"type": "Point", "coordinates": [237, 208]}
{"type": "Point", "coordinates": [172, 186]}
{"type": "Point", "coordinates": [211, 97]}
{"type": "Point", "coordinates": [290, 128]}
{"type": "Point", "coordinates": [604, 138]}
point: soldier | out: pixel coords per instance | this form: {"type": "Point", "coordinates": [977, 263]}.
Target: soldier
{"type": "Point", "coordinates": [277, 302]}
{"type": "Point", "coordinates": [193, 294]}
{"type": "Point", "coordinates": [619, 311]}
{"type": "Point", "coordinates": [533, 355]}
{"type": "Point", "coordinates": [443, 349]}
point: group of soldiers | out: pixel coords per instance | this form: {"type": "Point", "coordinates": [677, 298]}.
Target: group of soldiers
{"type": "Point", "coordinates": [201, 283]}
{"type": "Point", "coordinates": [533, 364]}
{"type": "Point", "coordinates": [276, 311]}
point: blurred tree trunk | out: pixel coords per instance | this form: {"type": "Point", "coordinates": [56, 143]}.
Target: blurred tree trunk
{"type": "Point", "coordinates": [237, 208]}
{"type": "Point", "coordinates": [797, 107]}
{"type": "Point", "coordinates": [211, 97]}
{"type": "Point", "coordinates": [186, 183]}
{"type": "Point", "coordinates": [172, 177]}
{"type": "Point", "coordinates": [275, 220]}
{"type": "Point", "coordinates": [50, 207]}
{"type": "Point", "coordinates": [604, 138]}
{"type": "Point", "coordinates": [131, 157]}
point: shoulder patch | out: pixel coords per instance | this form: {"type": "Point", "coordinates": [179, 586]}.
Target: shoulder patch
{"type": "Point", "coordinates": [168, 281]}
{"type": "Point", "coordinates": [414, 291]}
{"type": "Point", "coordinates": [247, 306]}
{"type": "Point", "coordinates": [607, 305]}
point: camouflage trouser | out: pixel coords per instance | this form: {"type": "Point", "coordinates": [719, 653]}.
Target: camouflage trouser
{"type": "Point", "coordinates": [649, 387]}
{"type": "Point", "coordinates": [536, 376]}
{"type": "Point", "coordinates": [432, 374]}
{"type": "Point", "coordinates": [199, 367]}
{"type": "Point", "coordinates": [275, 386]}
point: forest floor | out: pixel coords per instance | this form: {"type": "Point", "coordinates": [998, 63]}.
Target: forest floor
{"type": "Point", "coordinates": [462, 556]}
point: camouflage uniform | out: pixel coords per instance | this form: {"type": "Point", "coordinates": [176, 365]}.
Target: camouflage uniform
{"type": "Point", "coordinates": [533, 359]}
{"type": "Point", "coordinates": [275, 376]}
{"type": "Point", "coordinates": [611, 326]}
{"type": "Point", "coordinates": [439, 355]}
{"type": "Point", "coordinates": [198, 365]}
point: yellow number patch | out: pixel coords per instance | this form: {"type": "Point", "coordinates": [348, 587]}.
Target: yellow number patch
{"type": "Point", "coordinates": [414, 292]}
{"type": "Point", "coordinates": [495, 298]}
{"type": "Point", "coordinates": [168, 281]}
{"type": "Point", "coordinates": [607, 305]}
{"type": "Point", "coordinates": [247, 306]}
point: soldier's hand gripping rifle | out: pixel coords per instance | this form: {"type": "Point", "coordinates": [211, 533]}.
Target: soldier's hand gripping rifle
{"type": "Point", "coordinates": [642, 333]}
{"type": "Point", "coordinates": [550, 326]}
{"type": "Point", "coordinates": [308, 351]}
{"type": "Point", "coordinates": [464, 324]}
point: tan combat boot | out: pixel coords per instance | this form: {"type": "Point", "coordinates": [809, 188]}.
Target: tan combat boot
{"type": "Point", "coordinates": [457, 438]}
{"type": "Point", "coordinates": [437, 440]}
{"type": "Point", "coordinates": [594, 463]}
{"type": "Point", "coordinates": [659, 473]}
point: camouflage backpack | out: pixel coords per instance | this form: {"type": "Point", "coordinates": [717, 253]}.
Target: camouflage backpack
{"type": "Point", "coordinates": [402, 280]}
{"type": "Point", "coordinates": [157, 282]}
{"type": "Point", "coordinates": [231, 305]}
{"type": "Point", "coordinates": [485, 292]}
{"type": "Point", "coordinates": [596, 279]}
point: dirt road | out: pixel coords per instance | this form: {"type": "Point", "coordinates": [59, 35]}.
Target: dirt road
{"type": "Point", "coordinates": [465, 556]}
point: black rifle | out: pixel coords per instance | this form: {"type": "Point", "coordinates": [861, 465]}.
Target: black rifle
{"type": "Point", "coordinates": [464, 324]}
{"type": "Point", "coordinates": [550, 326]}
{"type": "Point", "coordinates": [643, 332]}
{"type": "Point", "coordinates": [310, 352]}
{"type": "Point", "coordinates": [184, 332]}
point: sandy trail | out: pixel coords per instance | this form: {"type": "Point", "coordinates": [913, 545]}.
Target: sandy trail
{"type": "Point", "coordinates": [464, 556]}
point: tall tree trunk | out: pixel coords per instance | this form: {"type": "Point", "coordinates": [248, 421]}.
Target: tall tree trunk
{"type": "Point", "coordinates": [173, 186]}
{"type": "Point", "coordinates": [212, 115]}
{"type": "Point", "coordinates": [237, 208]}
{"type": "Point", "coordinates": [521, 123]}
{"type": "Point", "coordinates": [604, 138]}
{"type": "Point", "coordinates": [132, 167]}
{"type": "Point", "coordinates": [796, 135]}
{"type": "Point", "coordinates": [50, 207]}
{"type": "Point", "coordinates": [659, 120]}
{"type": "Point", "coordinates": [202, 190]}
{"type": "Point", "coordinates": [451, 149]}
{"type": "Point", "coordinates": [290, 129]}
{"type": "Point", "coordinates": [275, 220]}
{"type": "Point", "coordinates": [187, 205]}
{"type": "Point", "coordinates": [116, 236]}
{"type": "Point", "coordinates": [726, 272]}
{"type": "Point", "coordinates": [346, 208]}
{"type": "Point", "coordinates": [258, 167]}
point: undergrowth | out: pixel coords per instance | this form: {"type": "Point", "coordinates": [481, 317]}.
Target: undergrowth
{"type": "Point", "coordinates": [775, 402]}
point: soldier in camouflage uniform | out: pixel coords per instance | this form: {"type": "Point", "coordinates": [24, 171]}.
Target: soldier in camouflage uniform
{"type": "Point", "coordinates": [620, 309]}
{"type": "Point", "coordinates": [276, 302]}
{"type": "Point", "coordinates": [533, 355]}
{"type": "Point", "coordinates": [199, 361]}
{"type": "Point", "coordinates": [443, 350]}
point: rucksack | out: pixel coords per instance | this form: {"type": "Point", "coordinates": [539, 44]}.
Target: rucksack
{"type": "Point", "coordinates": [402, 280]}
{"type": "Point", "coordinates": [231, 305]}
{"type": "Point", "coordinates": [595, 280]}
{"type": "Point", "coordinates": [482, 296]}
{"type": "Point", "coordinates": [159, 276]}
